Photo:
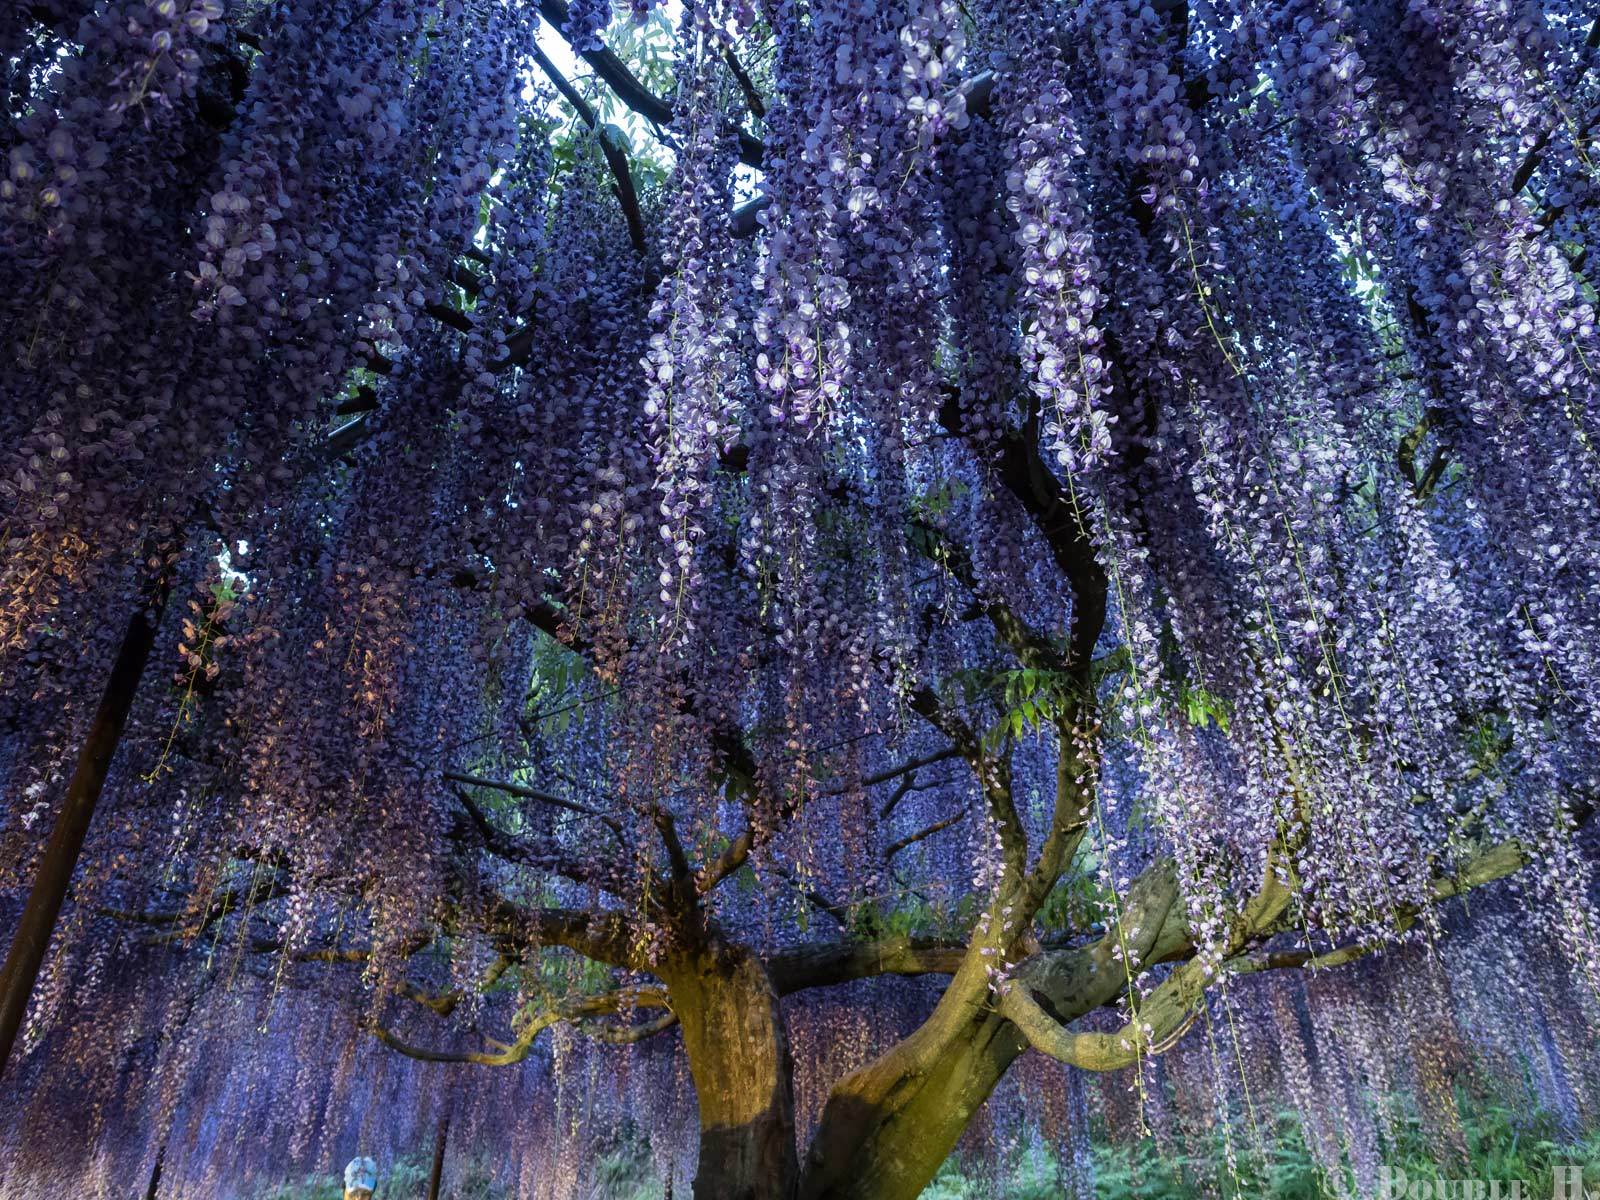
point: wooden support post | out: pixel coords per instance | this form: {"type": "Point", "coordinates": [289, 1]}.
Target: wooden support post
{"type": "Point", "coordinates": [155, 1172]}
{"type": "Point", "coordinates": [32, 937]}
{"type": "Point", "coordinates": [437, 1173]}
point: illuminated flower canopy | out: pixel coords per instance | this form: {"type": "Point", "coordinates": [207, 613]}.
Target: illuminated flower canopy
{"type": "Point", "coordinates": [1076, 503]}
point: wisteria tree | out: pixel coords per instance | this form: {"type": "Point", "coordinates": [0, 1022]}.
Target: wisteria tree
{"type": "Point", "coordinates": [1081, 503]}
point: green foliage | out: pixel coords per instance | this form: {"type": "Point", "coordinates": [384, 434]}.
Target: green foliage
{"type": "Point", "coordinates": [565, 974]}
{"type": "Point", "coordinates": [626, 1174]}
{"type": "Point", "coordinates": [936, 502]}
{"type": "Point", "coordinates": [1079, 900]}
{"type": "Point", "coordinates": [1027, 698]}
{"type": "Point", "coordinates": [1202, 708]}
{"type": "Point", "coordinates": [405, 1180]}
{"type": "Point", "coordinates": [649, 48]}
{"type": "Point", "coordinates": [1488, 741]}
{"type": "Point", "coordinates": [1032, 1177]}
{"type": "Point", "coordinates": [310, 1188]}
{"type": "Point", "coordinates": [557, 674]}
{"type": "Point", "coordinates": [1505, 1142]}
{"type": "Point", "coordinates": [912, 915]}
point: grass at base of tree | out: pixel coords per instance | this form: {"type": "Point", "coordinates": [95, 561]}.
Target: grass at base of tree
{"type": "Point", "coordinates": [1504, 1143]}
{"type": "Point", "coordinates": [404, 1180]}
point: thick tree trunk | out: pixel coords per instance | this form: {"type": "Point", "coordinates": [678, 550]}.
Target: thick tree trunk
{"type": "Point", "coordinates": [738, 1054]}
{"type": "Point", "coordinates": [887, 1127]}
{"type": "Point", "coordinates": [886, 1130]}
{"type": "Point", "coordinates": [32, 937]}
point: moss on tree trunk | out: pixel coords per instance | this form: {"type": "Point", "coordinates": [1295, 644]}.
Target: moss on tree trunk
{"type": "Point", "coordinates": [888, 1126]}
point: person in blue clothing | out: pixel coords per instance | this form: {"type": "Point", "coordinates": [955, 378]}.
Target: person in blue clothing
{"type": "Point", "coordinates": [360, 1178]}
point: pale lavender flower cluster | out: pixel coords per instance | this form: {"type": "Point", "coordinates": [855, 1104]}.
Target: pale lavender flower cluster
{"type": "Point", "coordinates": [1060, 274]}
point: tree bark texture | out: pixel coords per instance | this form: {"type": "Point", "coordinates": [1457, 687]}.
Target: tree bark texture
{"type": "Point", "coordinates": [738, 1052]}
{"type": "Point", "coordinates": [436, 1175]}
{"type": "Point", "coordinates": [888, 1126]}
{"type": "Point", "coordinates": [31, 940]}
